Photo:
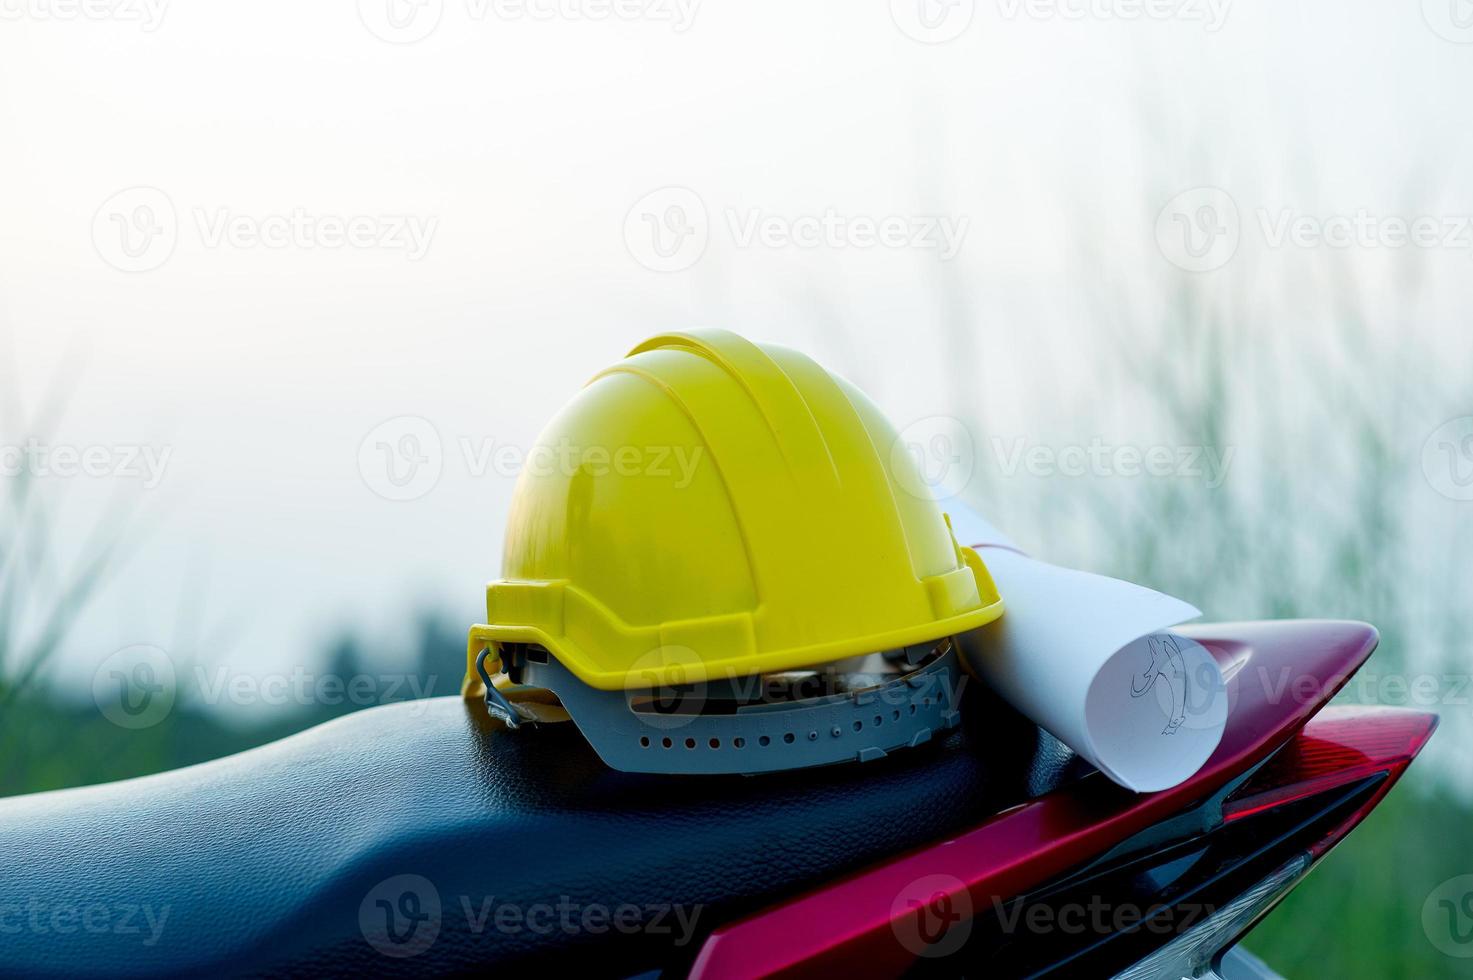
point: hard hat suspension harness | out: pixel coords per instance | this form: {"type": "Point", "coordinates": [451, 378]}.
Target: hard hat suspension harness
{"type": "Point", "coordinates": [741, 725]}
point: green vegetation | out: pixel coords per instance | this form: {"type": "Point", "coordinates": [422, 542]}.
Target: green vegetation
{"type": "Point", "coordinates": [52, 741]}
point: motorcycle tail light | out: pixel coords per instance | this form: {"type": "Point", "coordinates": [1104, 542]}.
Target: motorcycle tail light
{"type": "Point", "coordinates": [1339, 746]}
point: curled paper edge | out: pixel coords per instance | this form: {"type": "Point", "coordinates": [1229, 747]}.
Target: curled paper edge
{"type": "Point", "coordinates": [1180, 703]}
{"type": "Point", "coordinates": [1089, 619]}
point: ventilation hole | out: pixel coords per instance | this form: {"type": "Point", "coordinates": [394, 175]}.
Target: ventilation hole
{"type": "Point", "coordinates": [644, 741]}
{"type": "Point", "coordinates": [835, 731]}
{"type": "Point", "coordinates": [912, 709]}
{"type": "Point", "coordinates": [895, 714]}
{"type": "Point", "coordinates": [879, 720]}
{"type": "Point", "coordinates": [859, 726]}
{"type": "Point", "coordinates": [764, 740]}
{"type": "Point", "coordinates": [666, 742]}
{"type": "Point", "coordinates": [715, 743]}
{"type": "Point", "coordinates": [788, 738]}
{"type": "Point", "coordinates": [740, 743]}
{"type": "Point", "coordinates": [813, 736]}
{"type": "Point", "coordinates": [690, 743]}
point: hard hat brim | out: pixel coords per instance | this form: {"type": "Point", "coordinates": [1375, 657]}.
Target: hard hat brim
{"type": "Point", "coordinates": [698, 670]}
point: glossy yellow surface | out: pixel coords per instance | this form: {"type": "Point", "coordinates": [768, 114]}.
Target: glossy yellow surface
{"type": "Point", "coordinates": [711, 508]}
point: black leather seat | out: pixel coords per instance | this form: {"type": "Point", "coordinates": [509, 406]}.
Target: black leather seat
{"type": "Point", "coordinates": [285, 859]}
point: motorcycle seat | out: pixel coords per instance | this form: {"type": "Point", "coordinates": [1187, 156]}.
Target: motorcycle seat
{"type": "Point", "coordinates": [424, 837]}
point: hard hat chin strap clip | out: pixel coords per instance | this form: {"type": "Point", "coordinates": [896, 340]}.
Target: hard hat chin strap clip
{"type": "Point", "coordinates": [497, 704]}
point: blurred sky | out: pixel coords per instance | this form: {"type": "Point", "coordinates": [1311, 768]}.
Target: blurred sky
{"type": "Point", "coordinates": [525, 142]}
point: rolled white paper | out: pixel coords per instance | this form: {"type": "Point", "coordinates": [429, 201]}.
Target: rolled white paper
{"type": "Point", "coordinates": [1090, 659]}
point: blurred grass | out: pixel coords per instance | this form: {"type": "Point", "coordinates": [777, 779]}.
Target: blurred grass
{"type": "Point", "coordinates": [55, 741]}
{"type": "Point", "coordinates": [52, 735]}
{"type": "Point", "coordinates": [1324, 514]}
{"type": "Point", "coordinates": [1359, 914]}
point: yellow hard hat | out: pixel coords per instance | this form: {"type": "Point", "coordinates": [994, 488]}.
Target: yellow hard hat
{"type": "Point", "coordinates": [711, 508]}
{"type": "Point", "coordinates": [704, 529]}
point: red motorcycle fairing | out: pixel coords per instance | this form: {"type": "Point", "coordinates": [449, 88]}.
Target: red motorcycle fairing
{"type": "Point", "coordinates": [1279, 674]}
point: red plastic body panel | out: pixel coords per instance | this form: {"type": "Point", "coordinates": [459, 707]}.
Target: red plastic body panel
{"type": "Point", "coordinates": [1279, 674]}
{"type": "Point", "coordinates": [1339, 746]}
